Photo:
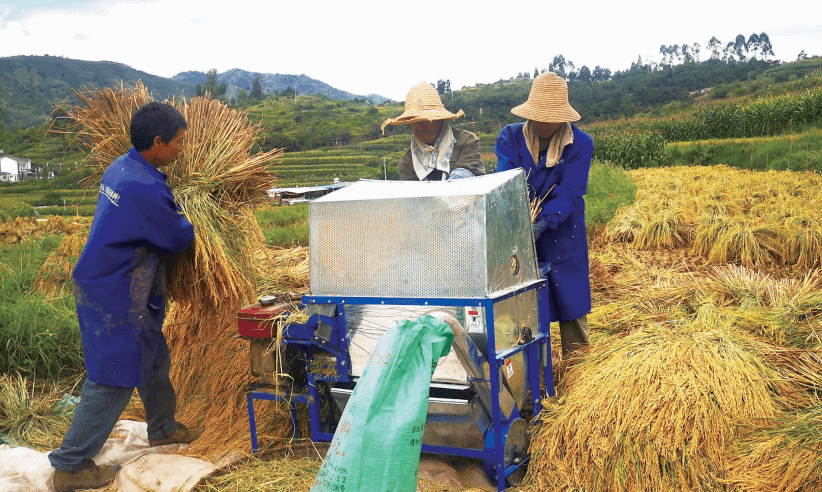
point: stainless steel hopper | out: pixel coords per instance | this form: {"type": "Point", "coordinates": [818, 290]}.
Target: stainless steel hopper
{"type": "Point", "coordinates": [463, 251]}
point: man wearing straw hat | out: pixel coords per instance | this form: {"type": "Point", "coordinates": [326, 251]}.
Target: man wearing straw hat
{"type": "Point", "coordinates": [556, 157]}
{"type": "Point", "coordinates": [119, 284]}
{"type": "Point", "coordinates": [438, 152]}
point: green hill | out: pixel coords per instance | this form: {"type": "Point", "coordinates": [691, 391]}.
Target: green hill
{"type": "Point", "coordinates": [31, 85]}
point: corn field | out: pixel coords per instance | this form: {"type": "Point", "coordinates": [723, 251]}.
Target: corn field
{"type": "Point", "coordinates": [640, 142]}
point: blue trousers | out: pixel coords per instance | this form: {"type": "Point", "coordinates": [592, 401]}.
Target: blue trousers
{"type": "Point", "coordinates": [99, 410]}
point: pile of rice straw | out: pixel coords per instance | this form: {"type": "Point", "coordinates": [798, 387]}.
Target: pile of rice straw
{"type": "Point", "coordinates": [31, 414]}
{"type": "Point", "coordinates": [704, 371]}
{"type": "Point", "coordinates": [217, 182]}
{"type": "Point", "coordinates": [13, 231]}
{"type": "Point", "coordinates": [657, 409]}
{"type": "Point", "coordinates": [54, 277]}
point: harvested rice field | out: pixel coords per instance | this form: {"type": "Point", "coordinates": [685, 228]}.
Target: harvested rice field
{"type": "Point", "coordinates": [705, 365]}
{"type": "Point", "coordinates": [704, 371]}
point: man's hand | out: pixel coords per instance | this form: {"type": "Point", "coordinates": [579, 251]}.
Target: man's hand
{"type": "Point", "coordinates": [539, 227]}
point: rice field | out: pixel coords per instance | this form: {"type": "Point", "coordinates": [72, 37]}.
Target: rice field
{"type": "Point", "coordinates": [705, 365]}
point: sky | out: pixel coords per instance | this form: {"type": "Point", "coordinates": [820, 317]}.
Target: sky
{"type": "Point", "coordinates": [385, 47]}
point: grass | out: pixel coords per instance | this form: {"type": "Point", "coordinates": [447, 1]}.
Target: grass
{"type": "Point", "coordinates": [284, 226]}
{"type": "Point", "coordinates": [797, 152]}
{"type": "Point", "coordinates": [609, 187]}
{"type": "Point", "coordinates": [38, 336]}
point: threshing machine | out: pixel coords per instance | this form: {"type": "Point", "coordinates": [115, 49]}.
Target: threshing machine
{"type": "Point", "coordinates": [385, 251]}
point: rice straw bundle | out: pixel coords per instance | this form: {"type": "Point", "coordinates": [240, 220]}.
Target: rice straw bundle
{"type": "Point", "coordinates": [804, 246]}
{"type": "Point", "coordinates": [54, 277]}
{"type": "Point", "coordinates": [32, 416]}
{"type": "Point", "coordinates": [667, 229]}
{"type": "Point", "coordinates": [802, 367]}
{"type": "Point", "coordinates": [282, 270]}
{"type": "Point", "coordinates": [655, 410]}
{"type": "Point", "coordinates": [56, 223]}
{"type": "Point", "coordinates": [101, 123]}
{"type": "Point", "coordinates": [626, 224]}
{"type": "Point", "coordinates": [216, 181]}
{"type": "Point", "coordinates": [785, 457]}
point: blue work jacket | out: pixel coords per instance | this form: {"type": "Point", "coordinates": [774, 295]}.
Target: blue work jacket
{"type": "Point", "coordinates": [119, 282]}
{"type": "Point", "coordinates": [564, 244]}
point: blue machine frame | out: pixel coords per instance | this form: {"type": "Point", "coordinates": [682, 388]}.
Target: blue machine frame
{"type": "Point", "coordinates": [537, 354]}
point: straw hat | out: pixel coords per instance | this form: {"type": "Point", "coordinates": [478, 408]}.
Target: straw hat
{"type": "Point", "coordinates": [548, 101]}
{"type": "Point", "coordinates": [422, 103]}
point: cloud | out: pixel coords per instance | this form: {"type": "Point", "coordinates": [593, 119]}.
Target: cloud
{"type": "Point", "coordinates": [370, 46]}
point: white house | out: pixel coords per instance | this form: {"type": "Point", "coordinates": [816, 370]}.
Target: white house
{"type": "Point", "coordinates": [18, 168]}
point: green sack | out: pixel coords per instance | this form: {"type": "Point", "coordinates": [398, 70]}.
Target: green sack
{"type": "Point", "coordinates": [379, 437]}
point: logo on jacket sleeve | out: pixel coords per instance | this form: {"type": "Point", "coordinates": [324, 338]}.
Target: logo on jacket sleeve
{"type": "Point", "coordinates": [112, 196]}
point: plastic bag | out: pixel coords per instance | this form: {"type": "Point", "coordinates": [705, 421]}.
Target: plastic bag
{"type": "Point", "coordinates": [377, 444]}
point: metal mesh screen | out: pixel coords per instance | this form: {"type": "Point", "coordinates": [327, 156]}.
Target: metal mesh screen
{"type": "Point", "coordinates": [410, 247]}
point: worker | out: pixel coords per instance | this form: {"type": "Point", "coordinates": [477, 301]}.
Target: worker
{"type": "Point", "coordinates": [556, 158]}
{"type": "Point", "coordinates": [438, 152]}
{"type": "Point", "coordinates": [119, 286]}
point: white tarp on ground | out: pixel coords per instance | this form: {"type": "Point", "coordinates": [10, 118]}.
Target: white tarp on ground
{"type": "Point", "coordinates": [144, 467]}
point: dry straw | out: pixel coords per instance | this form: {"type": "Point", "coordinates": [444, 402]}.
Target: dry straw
{"type": "Point", "coordinates": [655, 410]}
{"type": "Point", "coordinates": [784, 457]}
{"type": "Point", "coordinates": [755, 219]}
{"type": "Point", "coordinates": [32, 415]}
{"type": "Point", "coordinates": [216, 181]}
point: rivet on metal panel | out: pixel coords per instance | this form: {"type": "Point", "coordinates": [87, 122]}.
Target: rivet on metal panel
{"type": "Point", "coordinates": [426, 303]}
{"type": "Point", "coordinates": [343, 301]}
{"type": "Point", "coordinates": [342, 362]}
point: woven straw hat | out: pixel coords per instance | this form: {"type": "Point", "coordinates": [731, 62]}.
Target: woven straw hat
{"type": "Point", "coordinates": [422, 103]}
{"type": "Point", "coordinates": [548, 101]}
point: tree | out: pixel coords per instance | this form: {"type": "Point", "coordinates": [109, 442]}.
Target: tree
{"type": "Point", "coordinates": [216, 89]}
{"type": "Point", "coordinates": [753, 44]}
{"type": "Point", "coordinates": [601, 74]}
{"type": "Point", "coordinates": [664, 51]}
{"type": "Point", "coordinates": [802, 56]}
{"type": "Point", "coordinates": [715, 45]}
{"type": "Point", "coordinates": [536, 72]}
{"type": "Point", "coordinates": [584, 75]}
{"type": "Point", "coordinates": [257, 89]}
{"type": "Point", "coordinates": [443, 86]}
{"type": "Point", "coordinates": [558, 66]}
{"type": "Point", "coordinates": [765, 47]}
{"type": "Point", "coordinates": [740, 46]}
{"type": "Point", "coordinates": [687, 54]}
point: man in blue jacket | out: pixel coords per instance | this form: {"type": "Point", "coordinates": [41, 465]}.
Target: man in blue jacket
{"type": "Point", "coordinates": [556, 157]}
{"type": "Point", "coordinates": [119, 285]}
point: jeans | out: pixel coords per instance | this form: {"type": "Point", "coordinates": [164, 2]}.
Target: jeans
{"type": "Point", "coordinates": [100, 407]}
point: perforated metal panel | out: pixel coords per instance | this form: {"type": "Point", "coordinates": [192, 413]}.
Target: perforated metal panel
{"type": "Point", "coordinates": [422, 239]}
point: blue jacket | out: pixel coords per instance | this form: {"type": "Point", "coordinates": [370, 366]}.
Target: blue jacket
{"type": "Point", "coordinates": [119, 281]}
{"type": "Point", "coordinates": [564, 244]}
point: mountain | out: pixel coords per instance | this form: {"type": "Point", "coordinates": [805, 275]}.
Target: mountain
{"type": "Point", "coordinates": [30, 86]}
{"type": "Point", "coordinates": [241, 79]}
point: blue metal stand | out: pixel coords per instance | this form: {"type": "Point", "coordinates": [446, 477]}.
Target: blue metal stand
{"type": "Point", "coordinates": [536, 351]}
